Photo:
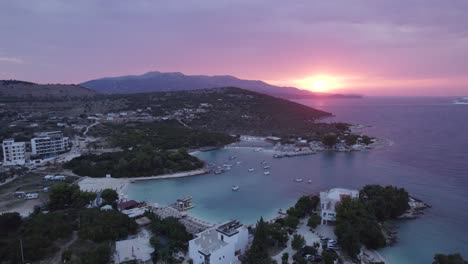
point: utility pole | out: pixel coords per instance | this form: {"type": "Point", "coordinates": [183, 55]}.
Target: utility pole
{"type": "Point", "coordinates": [22, 253]}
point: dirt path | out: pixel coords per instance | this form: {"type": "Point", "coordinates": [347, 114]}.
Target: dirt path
{"type": "Point", "coordinates": [58, 256]}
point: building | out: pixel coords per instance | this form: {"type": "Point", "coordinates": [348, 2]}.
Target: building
{"type": "Point", "coordinates": [136, 250]}
{"type": "Point", "coordinates": [329, 200]}
{"type": "Point", "coordinates": [14, 153]}
{"type": "Point", "coordinates": [221, 244]}
{"type": "Point", "coordinates": [49, 143]}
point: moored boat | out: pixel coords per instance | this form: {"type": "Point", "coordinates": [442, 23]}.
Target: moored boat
{"type": "Point", "coordinates": [235, 187]}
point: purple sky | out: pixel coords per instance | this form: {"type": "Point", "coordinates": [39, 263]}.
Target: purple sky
{"type": "Point", "coordinates": [374, 47]}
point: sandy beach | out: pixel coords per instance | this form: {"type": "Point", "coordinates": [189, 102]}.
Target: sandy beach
{"type": "Point", "coordinates": [97, 184]}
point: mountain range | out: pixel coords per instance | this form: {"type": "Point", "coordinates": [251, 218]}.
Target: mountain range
{"type": "Point", "coordinates": [176, 81]}
{"type": "Point", "coordinates": [14, 88]}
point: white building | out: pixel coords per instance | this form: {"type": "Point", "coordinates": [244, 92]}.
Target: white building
{"type": "Point", "coordinates": [48, 143]}
{"type": "Point", "coordinates": [219, 245]}
{"type": "Point", "coordinates": [14, 153]}
{"type": "Point", "coordinates": [329, 199]}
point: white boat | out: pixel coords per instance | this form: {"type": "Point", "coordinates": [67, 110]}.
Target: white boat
{"type": "Point", "coordinates": [266, 167]}
{"type": "Point", "coordinates": [257, 149]}
{"type": "Point", "coordinates": [266, 173]}
{"type": "Point", "coordinates": [251, 169]}
{"type": "Point", "coordinates": [298, 180]}
{"type": "Point", "coordinates": [218, 171]}
{"type": "Point", "coordinates": [264, 162]}
{"type": "Point", "coordinates": [309, 181]}
{"type": "Point", "coordinates": [235, 187]}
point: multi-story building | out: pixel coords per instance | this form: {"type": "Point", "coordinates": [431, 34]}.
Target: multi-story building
{"type": "Point", "coordinates": [221, 244]}
{"type": "Point", "coordinates": [329, 200]}
{"type": "Point", "coordinates": [49, 143]}
{"type": "Point", "coordinates": [14, 153]}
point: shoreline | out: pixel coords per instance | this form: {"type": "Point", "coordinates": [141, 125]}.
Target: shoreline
{"type": "Point", "coordinates": [119, 184]}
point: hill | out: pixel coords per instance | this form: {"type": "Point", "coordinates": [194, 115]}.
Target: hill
{"type": "Point", "coordinates": [176, 81]}
{"type": "Point", "coordinates": [14, 88]}
{"type": "Point", "coordinates": [232, 111]}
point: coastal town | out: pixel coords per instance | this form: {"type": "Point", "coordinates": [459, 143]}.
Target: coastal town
{"type": "Point", "coordinates": [80, 164]}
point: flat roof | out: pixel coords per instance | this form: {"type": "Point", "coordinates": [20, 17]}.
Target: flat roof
{"type": "Point", "coordinates": [208, 242]}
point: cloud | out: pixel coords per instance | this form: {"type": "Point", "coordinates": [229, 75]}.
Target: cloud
{"type": "Point", "coordinates": [11, 60]}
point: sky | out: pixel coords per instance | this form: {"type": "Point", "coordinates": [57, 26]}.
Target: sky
{"type": "Point", "coordinates": [370, 47]}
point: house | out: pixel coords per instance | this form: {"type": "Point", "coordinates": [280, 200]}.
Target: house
{"type": "Point", "coordinates": [14, 153]}
{"type": "Point", "coordinates": [136, 250]}
{"type": "Point", "coordinates": [221, 244]}
{"type": "Point", "coordinates": [329, 200]}
{"type": "Point", "coordinates": [130, 204]}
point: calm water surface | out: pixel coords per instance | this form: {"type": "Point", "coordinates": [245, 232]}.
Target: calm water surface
{"type": "Point", "coordinates": [426, 152]}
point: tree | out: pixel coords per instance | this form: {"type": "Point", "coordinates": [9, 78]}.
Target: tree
{"type": "Point", "coordinates": [291, 221]}
{"type": "Point", "coordinates": [314, 221]}
{"type": "Point", "coordinates": [355, 225]}
{"type": "Point", "coordinates": [258, 252]}
{"type": "Point", "coordinates": [330, 139]}
{"type": "Point", "coordinates": [449, 259]}
{"type": "Point", "coordinates": [329, 257]}
{"type": "Point", "coordinates": [285, 258]}
{"type": "Point", "coordinates": [109, 196]}
{"type": "Point", "coordinates": [385, 203]}
{"type": "Point", "coordinates": [298, 242]}
{"type": "Point", "coordinates": [9, 222]}
{"type": "Point", "coordinates": [64, 195]}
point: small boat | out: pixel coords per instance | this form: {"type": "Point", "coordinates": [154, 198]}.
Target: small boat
{"type": "Point", "coordinates": [235, 187]}
{"type": "Point", "coordinates": [266, 173]}
{"type": "Point", "coordinates": [232, 157]}
{"type": "Point", "coordinates": [238, 162]}
{"type": "Point", "coordinates": [257, 149]}
{"type": "Point", "coordinates": [218, 171]}
{"type": "Point", "coordinates": [266, 167]}
{"type": "Point", "coordinates": [309, 181]}
{"type": "Point", "coordinates": [264, 162]}
{"type": "Point", "coordinates": [298, 180]}
{"type": "Point", "coordinates": [251, 169]}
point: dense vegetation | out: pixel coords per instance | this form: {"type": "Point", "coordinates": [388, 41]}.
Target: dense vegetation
{"type": "Point", "coordinates": [41, 234]}
{"type": "Point", "coordinates": [144, 161]}
{"type": "Point", "coordinates": [170, 237]}
{"type": "Point", "coordinates": [385, 203]}
{"type": "Point", "coordinates": [357, 220]}
{"type": "Point", "coordinates": [162, 135]}
{"type": "Point", "coordinates": [449, 259]}
{"type": "Point", "coordinates": [266, 236]}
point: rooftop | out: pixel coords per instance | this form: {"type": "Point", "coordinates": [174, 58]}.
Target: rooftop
{"type": "Point", "coordinates": [338, 193]}
{"type": "Point", "coordinates": [208, 241]}
{"type": "Point", "coordinates": [229, 228]}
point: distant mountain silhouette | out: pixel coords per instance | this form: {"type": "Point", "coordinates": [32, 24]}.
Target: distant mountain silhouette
{"type": "Point", "coordinates": [176, 81]}
{"type": "Point", "coordinates": [15, 88]}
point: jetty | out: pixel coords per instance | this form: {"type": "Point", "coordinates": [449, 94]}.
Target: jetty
{"type": "Point", "coordinates": [183, 204]}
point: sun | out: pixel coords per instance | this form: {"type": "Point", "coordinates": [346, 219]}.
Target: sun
{"type": "Point", "coordinates": [320, 85]}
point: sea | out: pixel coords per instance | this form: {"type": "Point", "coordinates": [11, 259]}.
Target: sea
{"type": "Point", "coordinates": [423, 148]}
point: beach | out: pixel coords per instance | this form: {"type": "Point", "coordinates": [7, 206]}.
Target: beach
{"type": "Point", "coordinates": [119, 184]}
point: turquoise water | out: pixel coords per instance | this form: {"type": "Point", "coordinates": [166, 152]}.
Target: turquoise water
{"type": "Point", "coordinates": [427, 153]}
